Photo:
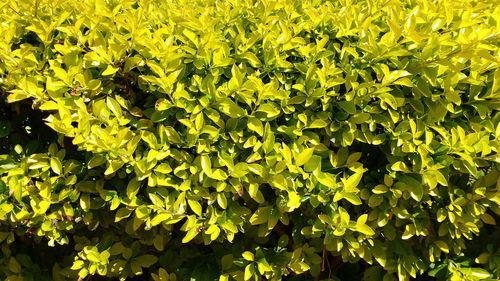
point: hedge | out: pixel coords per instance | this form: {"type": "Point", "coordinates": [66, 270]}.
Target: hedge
{"type": "Point", "coordinates": [249, 140]}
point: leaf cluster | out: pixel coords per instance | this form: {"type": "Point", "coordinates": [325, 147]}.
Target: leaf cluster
{"type": "Point", "coordinates": [249, 140]}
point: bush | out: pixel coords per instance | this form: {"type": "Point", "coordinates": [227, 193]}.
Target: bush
{"type": "Point", "coordinates": [249, 140]}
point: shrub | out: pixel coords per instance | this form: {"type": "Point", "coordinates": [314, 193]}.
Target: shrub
{"type": "Point", "coordinates": [249, 140]}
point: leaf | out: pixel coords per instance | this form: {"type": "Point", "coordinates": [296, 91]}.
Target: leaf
{"type": "Point", "coordinates": [353, 198]}
{"type": "Point", "coordinates": [270, 109]}
{"type": "Point", "coordinates": [195, 206]}
{"type": "Point", "coordinates": [255, 194]}
{"type": "Point", "coordinates": [239, 170]}
{"type": "Point", "coordinates": [304, 156]}
{"type": "Point", "coordinates": [56, 165]}
{"type": "Point", "coordinates": [206, 164]}
{"type": "Point", "coordinates": [365, 229]}
{"type": "Point", "coordinates": [294, 200]}
{"type": "Point", "coordinates": [249, 271]}
{"type": "Point", "coordinates": [362, 219]}
{"type": "Point", "coordinates": [161, 217]}
{"type": "Point", "coordinates": [231, 109]}
{"type": "Point", "coordinates": [318, 123]}
{"type": "Point", "coordinates": [400, 166]}
{"type": "Point", "coordinates": [93, 257]}
{"type": "Point", "coordinates": [16, 95]}
{"type": "Point", "coordinates": [487, 218]}
{"type": "Point", "coordinates": [143, 212]}
{"type": "Point", "coordinates": [479, 273]}
{"type": "Point", "coordinates": [347, 106]}
{"type": "Point", "coordinates": [268, 139]}
{"type": "Point", "coordinates": [146, 260]}
{"type": "Point", "coordinates": [299, 267]}
{"type": "Point", "coordinates": [110, 70]}
{"type": "Point", "coordinates": [122, 213]}
{"type": "Point", "coordinates": [263, 266]}
{"type": "Point", "coordinates": [78, 264]}
{"type": "Point", "coordinates": [163, 274]}
{"type": "Point", "coordinates": [192, 233]}
{"type": "Point", "coordinates": [442, 246]}
{"type": "Point", "coordinates": [257, 169]}
{"type": "Point", "coordinates": [219, 174]}
{"type": "Point", "coordinates": [133, 188]}
{"type": "Point", "coordinates": [95, 161]}
{"type": "Point", "coordinates": [326, 179]}
{"type": "Point", "coordinates": [260, 216]}
{"type": "Point", "coordinates": [248, 256]}
{"type": "Point", "coordinates": [314, 164]}
{"type": "Point", "coordinates": [483, 258]}
{"type": "Point", "coordinates": [353, 157]}
{"type": "Point", "coordinates": [114, 106]}
{"type": "Point", "coordinates": [252, 59]}
{"type": "Point", "coordinates": [113, 166]}
{"type": "Point", "coordinates": [413, 186]}
{"type": "Point", "coordinates": [389, 99]}
{"type": "Point", "coordinates": [344, 216]}
{"type": "Point", "coordinates": [222, 200]}
{"type": "Point", "coordinates": [199, 122]}
{"type": "Point", "coordinates": [351, 183]}
{"type": "Point", "coordinates": [14, 265]}
{"type": "Point", "coordinates": [394, 75]}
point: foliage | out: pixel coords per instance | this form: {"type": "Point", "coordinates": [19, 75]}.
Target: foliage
{"type": "Point", "coordinates": [249, 140]}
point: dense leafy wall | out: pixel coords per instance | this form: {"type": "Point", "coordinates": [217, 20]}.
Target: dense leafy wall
{"type": "Point", "coordinates": [249, 140]}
